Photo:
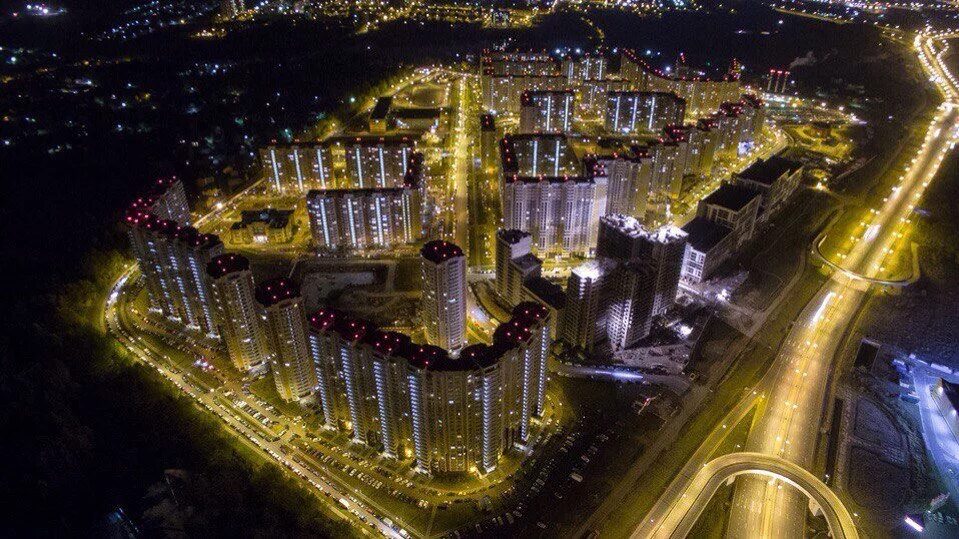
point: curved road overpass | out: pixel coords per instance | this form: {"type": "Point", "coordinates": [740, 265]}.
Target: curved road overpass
{"type": "Point", "coordinates": [679, 521]}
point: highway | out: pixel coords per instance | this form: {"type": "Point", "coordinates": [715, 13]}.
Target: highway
{"type": "Point", "coordinates": [794, 390]}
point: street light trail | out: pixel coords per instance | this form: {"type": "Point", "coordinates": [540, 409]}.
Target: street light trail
{"type": "Point", "coordinates": [795, 386]}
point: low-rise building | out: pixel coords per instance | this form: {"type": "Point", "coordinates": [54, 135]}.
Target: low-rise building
{"type": "Point", "coordinates": [268, 225]}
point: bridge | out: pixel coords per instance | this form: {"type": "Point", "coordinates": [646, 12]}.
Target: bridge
{"type": "Point", "coordinates": [678, 519]}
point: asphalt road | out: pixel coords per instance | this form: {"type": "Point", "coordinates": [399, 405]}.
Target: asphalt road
{"type": "Point", "coordinates": [794, 390]}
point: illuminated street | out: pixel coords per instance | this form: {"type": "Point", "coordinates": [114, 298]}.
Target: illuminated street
{"type": "Point", "coordinates": [434, 270]}
{"type": "Point", "coordinates": [792, 393]}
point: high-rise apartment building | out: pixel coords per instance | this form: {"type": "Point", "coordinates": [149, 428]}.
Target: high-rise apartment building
{"type": "Point", "coordinates": [172, 259]}
{"type": "Point", "coordinates": [583, 68]}
{"type": "Point", "coordinates": [629, 112]}
{"type": "Point", "coordinates": [703, 94]}
{"type": "Point", "coordinates": [192, 252]}
{"type": "Point", "coordinates": [546, 111]}
{"type": "Point", "coordinates": [290, 360]}
{"type": "Point", "coordinates": [166, 199]}
{"type": "Point", "coordinates": [358, 219]}
{"type": "Point", "coordinates": [376, 162]}
{"type": "Point", "coordinates": [631, 296]}
{"type": "Point", "coordinates": [561, 215]}
{"type": "Point", "coordinates": [237, 312]}
{"type": "Point", "coordinates": [444, 294]}
{"type": "Point", "coordinates": [584, 316]}
{"type": "Point", "coordinates": [628, 183]}
{"type": "Point", "coordinates": [515, 263]}
{"type": "Point", "coordinates": [419, 403]}
{"type": "Point", "coordinates": [626, 239]}
{"type": "Point", "coordinates": [297, 168]}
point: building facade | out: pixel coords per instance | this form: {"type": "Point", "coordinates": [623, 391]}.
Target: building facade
{"type": "Point", "coordinates": [290, 361]}
{"type": "Point", "coordinates": [419, 403]}
{"type": "Point", "coordinates": [377, 162]}
{"type": "Point", "coordinates": [297, 168]}
{"type": "Point", "coordinates": [546, 111]}
{"type": "Point", "coordinates": [237, 313]}
{"type": "Point", "coordinates": [358, 219]}
{"type": "Point", "coordinates": [630, 112]}
{"type": "Point", "coordinates": [166, 199]}
{"type": "Point", "coordinates": [444, 294]}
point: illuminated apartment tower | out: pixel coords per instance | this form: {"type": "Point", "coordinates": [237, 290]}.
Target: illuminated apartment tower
{"type": "Point", "coordinates": [584, 317]}
{"type": "Point", "coordinates": [149, 243]}
{"type": "Point", "coordinates": [628, 180]}
{"type": "Point", "coordinates": [388, 354]}
{"type": "Point", "coordinates": [546, 111]}
{"type": "Point", "coordinates": [357, 377]}
{"type": "Point", "coordinates": [585, 68]}
{"type": "Point", "coordinates": [514, 263]}
{"type": "Point", "coordinates": [296, 168]}
{"type": "Point", "coordinates": [625, 239]}
{"type": "Point", "coordinates": [631, 112]}
{"type": "Point", "coordinates": [444, 294]}
{"type": "Point", "coordinates": [172, 259]}
{"type": "Point", "coordinates": [166, 199]}
{"type": "Point", "coordinates": [290, 362]}
{"type": "Point", "coordinates": [194, 251]}
{"type": "Point", "coordinates": [378, 162]}
{"type": "Point", "coordinates": [237, 312]}
{"type": "Point", "coordinates": [524, 376]}
{"type": "Point", "coordinates": [365, 218]}
{"type": "Point", "coordinates": [448, 415]}
{"type": "Point", "coordinates": [453, 406]}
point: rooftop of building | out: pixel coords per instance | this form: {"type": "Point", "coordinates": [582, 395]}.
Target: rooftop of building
{"type": "Point", "coordinates": [707, 123]}
{"type": "Point", "coordinates": [731, 108]}
{"type": "Point", "coordinates": [703, 234]}
{"type": "Point", "coordinates": [365, 139]}
{"type": "Point", "coordinates": [549, 293]}
{"type": "Point", "coordinates": [153, 193]}
{"type": "Point", "coordinates": [542, 178]}
{"type": "Point", "coordinates": [733, 197]}
{"type": "Point", "coordinates": [226, 264]}
{"type": "Point", "coordinates": [531, 310]}
{"type": "Point", "coordinates": [275, 291]}
{"type": "Point", "coordinates": [136, 217]}
{"type": "Point", "coordinates": [425, 356]}
{"type": "Point", "coordinates": [526, 262]}
{"type": "Point", "coordinates": [191, 237]}
{"type": "Point", "coordinates": [594, 269]}
{"type": "Point", "coordinates": [439, 251]}
{"type": "Point", "coordinates": [512, 236]}
{"type": "Point", "coordinates": [768, 171]}
{"type": "Point", "coordinates": [631, 227]}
